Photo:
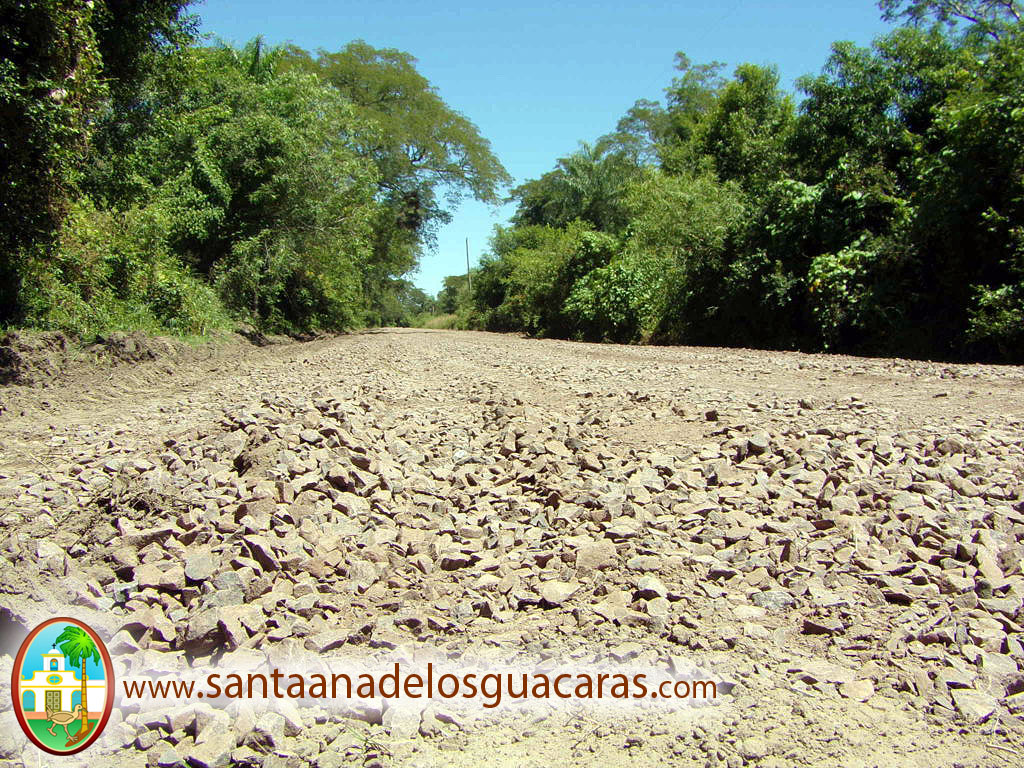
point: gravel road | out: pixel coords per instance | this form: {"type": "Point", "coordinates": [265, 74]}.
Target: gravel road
{"type": "Point", "coordinates": [838, 539]}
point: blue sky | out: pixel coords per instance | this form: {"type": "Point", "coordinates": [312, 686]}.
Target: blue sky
{"type": "Point", "coordinates": [43, 642]}
{"type": "Point", "coordinates": [539, 77]}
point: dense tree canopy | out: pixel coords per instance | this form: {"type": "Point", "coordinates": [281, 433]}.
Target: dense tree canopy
{"type": "Point", "coordinates": [49, 87]}
{"type": "Point", "coordinates": [152, 182]}
{"type": "Point", "coordinates": [588, 185]}
{"type": "Point", "coordinates": [881, 214]}
{"type": "Point", "coordinates": [427, 155]}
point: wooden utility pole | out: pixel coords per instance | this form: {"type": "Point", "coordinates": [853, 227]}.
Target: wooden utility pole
{"type": "Point", "coordinates": [469, 274]}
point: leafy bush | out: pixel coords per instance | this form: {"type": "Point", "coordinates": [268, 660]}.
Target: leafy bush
{"type": "Point", "coordinates": [525, 287]}
{"type": "Point", "coordinates": [997, 320]}
{"type": "Point", "coordinates": [447, 322]}
{"type": "Point", "coordinates": [112, 271]}
{"type": "Point", "coordinates": [616, 302]}
{"type": "Point", "coordinates": [841, 294]}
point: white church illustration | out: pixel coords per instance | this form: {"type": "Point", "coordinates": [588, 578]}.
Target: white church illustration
{"type": "Point", "coordinates": [57, 688]}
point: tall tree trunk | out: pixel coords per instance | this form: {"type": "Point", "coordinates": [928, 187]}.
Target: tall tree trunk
{"type": "Point", "coordinates": [85, 704]}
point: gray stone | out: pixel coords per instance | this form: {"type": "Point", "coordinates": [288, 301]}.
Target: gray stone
{"type": "Point", "coordinates": [974, 705]}
{"type": "Point", "coordinates": [199, 565]}
{"type": "Point", "coordinates": [597, 556]}
{"type": "Point", "coordinates": [773, 599]}
{"type": "Point", "coordinates": [557, 592]}
{"type": "Point", "coordinates": [212, 751]}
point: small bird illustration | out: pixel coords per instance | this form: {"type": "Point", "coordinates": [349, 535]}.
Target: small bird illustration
{"type": "Point", "coordinates": [55, 717]}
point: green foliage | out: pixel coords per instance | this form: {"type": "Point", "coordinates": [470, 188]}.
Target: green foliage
{"type": "Point", "coordinates": [526, 285]}
{"type": "Point", "coordinates": [420, 139]}
{"type": "Point", "coordinates": [49, 87]}
{"type": "Point", "coordinates": [78, 646]}
{"type": "Point", "coordinates": [586, 186]}
{"type": "Point", "coordinates": [842, 300]}
{"type": "Point", "coordinates": [616, 302]}
{"type": "Point", "coordinates": [882, 216]}
{"type": "Point", "coordinates": [61, 63]}
{"type": "Point", "coordinates": [455, 301]}
{"type": "Point", "coordinates": [424, 152]}
{"type": "Point", "coordinates": [405, 304]}
{"type": "Point", "coordinates": [134, 37]}
{"type": "Point", "coordinates": [152, 184]}
{"type": "Point", "coordinates": [691, 98]}
{"type": "Point", "coordinates": [686, 218]}
{"type": "Point", "coordinates": [113, 270]}
{"type": "Point", "coordinates": [872, 107]}
{"type": "Point", "coordinates": [969, 203]}
{"type": "Point", "coordinates": [681, 227]}
{"type": "Point", "coordinates": [444, 322]}
{"type": "Point", "coordinates": [258, 175]}
{"type": "Point", "coordinates": [149, 183]}
{"type": "Point", "coordinates": [745, 134]}
{"type": "Point", "coordinates": [533, 256]}
{"type": "Point", "coordinates": [988, 18]}
{"type": "Point", "coordinates": [997, 320]}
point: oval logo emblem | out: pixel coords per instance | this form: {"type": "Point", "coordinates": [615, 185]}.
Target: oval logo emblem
{"type": "Point", "coordinates": [62, 686]}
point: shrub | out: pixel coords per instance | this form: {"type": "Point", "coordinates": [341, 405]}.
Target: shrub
{"type": "Point", "coordinates": [112, 271]}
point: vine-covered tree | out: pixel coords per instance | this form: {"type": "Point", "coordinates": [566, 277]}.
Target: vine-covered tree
{"type": "Point", "coordinates": [59, 63]}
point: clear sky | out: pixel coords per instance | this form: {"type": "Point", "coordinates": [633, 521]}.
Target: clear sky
{"type": "Point", "coordinates": [43, 643]}
{"type": "Point", "coordinates": [539, 77]}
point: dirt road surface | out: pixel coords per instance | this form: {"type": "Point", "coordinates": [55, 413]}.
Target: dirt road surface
{"type": "Point", "coordinates": [837, 539]}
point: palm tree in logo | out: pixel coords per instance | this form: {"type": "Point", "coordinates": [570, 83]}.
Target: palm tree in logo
{"type": "Point", "coordinates": [78, 646]}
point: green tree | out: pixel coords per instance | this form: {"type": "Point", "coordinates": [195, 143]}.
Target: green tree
{"type": "Point", "coordinates": [454, 294]}
{"type": "Point", "coordinates": [682, 226]}
{"type": "Point", "coordinates": [615, 301]}
{"type": "Point", "coordinates": [133, 37]}
{"type": "Point", "coordinates": [989, 18]}
{"type": "Point", "coordinates": [668, 135]}
{"type": "Point", "coordinates": [514, 290]}
{"type": "Point", "coordinates": [746, 132]}
{"type": "Point", "coordinates": [60, 64]}
{"type": "Point", "coordinates": [883, 216]}
{"type": "Point", "coordinates": [693, 95]}
{"type": "Point", "coordinates": [404, 303]}
{"type": "Point", "coordinates": [258, 177]}
{"type": "Point", "coordinates": [968, 209]}
{"type": "Point", "coordinates": [524, 284]}
{"type": "Point", "coordinates": [427, 155]}
{"type": "Point", "coordinates": [872, 106]}
{"type": "Point", "coordinates": [642, 130]}
{"type": "Point", "coordinates": [912, 148]}
{"type": "Point", "coordinates": [77, 645]}
{"type": "Point", "coordinates": [50, 86]}
{"type": "Point", "coordinates": [691, 98]}
{"type": "Point", "coordinates": [588, 186]}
